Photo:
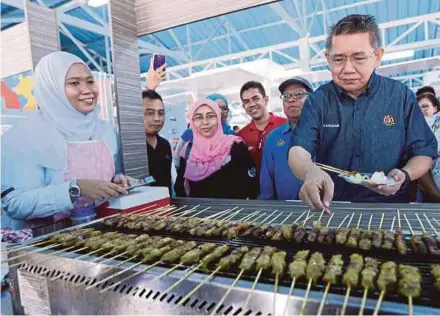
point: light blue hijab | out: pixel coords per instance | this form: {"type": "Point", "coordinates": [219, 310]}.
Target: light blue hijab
{"type": "Point", "coordinates": [50, 77]}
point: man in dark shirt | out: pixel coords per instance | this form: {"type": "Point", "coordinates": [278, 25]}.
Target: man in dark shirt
{"type": "Point", "coordinates": [360, 121]}
{"type": "Point", "coordinates": [158, 148]}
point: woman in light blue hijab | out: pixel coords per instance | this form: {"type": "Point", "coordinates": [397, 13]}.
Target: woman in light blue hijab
{"type": "Point", "coordinates": [55, 164]}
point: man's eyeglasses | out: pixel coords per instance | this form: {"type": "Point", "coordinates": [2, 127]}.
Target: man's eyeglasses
{"type": "Point", "coordinates": [294, 95]}
{"type": "Point", "coordinates": [358, 59]}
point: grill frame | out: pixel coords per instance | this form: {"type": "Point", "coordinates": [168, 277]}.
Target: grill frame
{"type": "Point", "coordinates": [263, 296]}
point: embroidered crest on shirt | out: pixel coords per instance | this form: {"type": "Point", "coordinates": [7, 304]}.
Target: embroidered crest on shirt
{"type": "Point", "coordinates": [388, 120]}
{"type": "Point", "coordinates": [281, 142]}
{"type": "Point", "coordinates": [252, 172]}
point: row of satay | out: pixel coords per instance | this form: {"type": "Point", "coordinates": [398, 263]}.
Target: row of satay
{"type": "Point", "coordinates": [151, 249]}
{"type": "Point", "coordinates": [349, 237]}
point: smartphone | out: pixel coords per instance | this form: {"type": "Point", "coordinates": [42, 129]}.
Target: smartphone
{"type": "Point", "coordinates": [159, 60]}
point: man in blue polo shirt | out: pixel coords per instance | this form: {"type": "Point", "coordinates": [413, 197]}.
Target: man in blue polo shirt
{"type": "Point", "coordinates": [277, 182]}
{"type": "Point", "coordinates": [360, 121]}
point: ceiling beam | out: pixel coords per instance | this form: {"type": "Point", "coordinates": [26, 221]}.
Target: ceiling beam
{"type": "Point", "coordinates": [148, 48]}
{"type": "Point", "coordinates": [67, 19]}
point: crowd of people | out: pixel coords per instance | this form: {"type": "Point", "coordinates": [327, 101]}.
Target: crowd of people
{"type": "Point", "coordinates": [56, 165]}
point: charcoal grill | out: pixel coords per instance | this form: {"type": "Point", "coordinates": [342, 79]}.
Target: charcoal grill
{"type": "Point", "coordinates": [67, 294]}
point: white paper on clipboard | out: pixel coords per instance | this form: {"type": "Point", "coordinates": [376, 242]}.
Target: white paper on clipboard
{"type": "Point", "coordinates": [34, 293]}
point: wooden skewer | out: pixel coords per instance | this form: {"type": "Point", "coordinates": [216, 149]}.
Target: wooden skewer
{"type": "Point", "coordinates": [320, 216]}
{"type": "Point", "coordinates": [248, 217]}
{"type": "Point", "coordinates": [30, 252]}
{"type": "Point", "coordinates": [421, 223]}
{"type": "Point", "coordinates": [292, 285]}
{"type": "Point", "coordinates": [166, 273]}
{"type": "Point", "coordinates": [437, 222]}
{"type": "Point", "coordinates": [303, 306]}
{"type": "Point", "coordinates": [227, 292]}
{"type": "Point", "coordinates": [382, 293]}
{"type": "Point", "coordinates": [248, 299]}
{"type": "Point", "coordinates": [381, 221]}
{"type": "Point", "coordinates": [285, 220]}
{"type": "Point", "coordinates": [105, 269]}
{"type": "Point", "coordinates": [167, 208]}
{"type": "Point", "coordinates": [410, 306]}
{"type": "Point", "coordinates": [183, 278]}
{"type": "Point", "coordinates": [183, 300]}
{"type": "Point", "coordinates": [230, 217]}
{"type": "Point", "coordinates": [331, 168]}
{"type": "Point", "coordinates": [275, 290]}
{"type": "Point", "coordinates": [398, 219]}
{"type": "Point", "coordinates": [364, 300]}
{"type": "Point", "coordinates": [379, 302]}
{"type": "Point", "coordinates": [430, 224]}
{"type": "Point", "coordinates": [351, 218]}
{"type": "Point", "coordinates": [359, 221]}
{"type": "Point", "coordinates": [409, 224]}
{"type": "Point", "coordinates": [115, 274]}
{"type": "Point", "coordinates": [324, 297]}
{"type": "Point", "coordinates": [299, 217]}
{"type": "Point", "coordinates": [32, 244]}
{"type": "Point", "coordinates": [130, 276]}
{"type": "Point", "coordinates": [329, 220]}
{"type": "Point", "coordinates": [273, 219]}
{"type": "Point", "coordinates": [344, 306]}
{"type": "Point", "coordinates": [77, 258]}
{"type": "Point", "coordinates": [343, 221]}
{"type": "Point", "coordinates": [53, 253]}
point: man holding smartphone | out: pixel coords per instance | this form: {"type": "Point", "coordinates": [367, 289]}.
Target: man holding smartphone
{"type": "Point", "coordinates": [158, 148]}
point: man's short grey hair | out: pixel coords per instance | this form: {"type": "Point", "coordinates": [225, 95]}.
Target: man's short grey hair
{"type": "Point", "coordinates": [353, 24]}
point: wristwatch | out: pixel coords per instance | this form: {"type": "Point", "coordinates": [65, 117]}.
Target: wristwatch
{"type": "Point", "coordinates": [407, 181]}
{"type": "Point", "coordinates": [74, 190]}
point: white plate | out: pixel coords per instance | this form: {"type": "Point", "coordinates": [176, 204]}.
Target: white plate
{"type": "Point", "coordinates": [355, 180]}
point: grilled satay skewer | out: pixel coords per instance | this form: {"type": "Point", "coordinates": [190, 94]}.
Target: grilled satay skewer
{"type": "Point", "coordinates": [351, 277]}
{"type": "Point", "coordinates": [57, 241]}
{"type": "Point", "coordinates": [262, 263]}
{"type": "Point", "coordinates": [428, 240]}
{"type": "Point", "coordinates": [369, 274]}
{"type": "Point", "coordinates": [386, 281]}
{"type": "Point", "coordinates": [278, 263]}
{"type": "Point", "coordinates": [316, 227]}
{"type": "Point", "coordinates": [435, 272]}
{"type": "Point", "coordinates": [332, 276]}
{"type": "Point", "coordinates": [366, 237]}
{"type": "Point", "coordinates": [389, 237]}
{"type": "Point", "coordinates": [301, 229]}
{"type": "Point", "coordinates": [400, 237]}
{"type": "Point", "coordinates": [95, 243]}
{"type": "Point", "coordinates": [417, 244]}
{"type": "Point", "coordinates": [247, 264]}
{"type": "Point", "coordinates": [224, 264]}
{"type": "Point", "coordinates": [342, 232]}
{"type": "Point", "coordinates": [297, 270]}
{"type": "Point", "coordinates": [314, 270]}
{"type": "Point", "coordinates": [355, 235]}
{"type": "Point", "coordinates": [284, 231]}
{"type": "Point", "coordinates": [167, 257]}
{"type": "Point", "coordinates": [324, 231]}
{"type": "Point", "coordinates": [410, 284]}
{"type": "Point", "coordinates": [121, 246]}
{"type": "Point", "coordinates": [66, 241]}
{"type": "Point", "coordinates": [216, 254]}
{"type": "Point", "coordinates": [378, 235]}
{"type": "Point", "coordinates": [139, 252]}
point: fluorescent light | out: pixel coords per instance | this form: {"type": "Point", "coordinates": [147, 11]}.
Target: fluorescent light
{"type": "Point", "coordinates": [398, 55]}
{"type": "Point", "coordinates": [96, 3]}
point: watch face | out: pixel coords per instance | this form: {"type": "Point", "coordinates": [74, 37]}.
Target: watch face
{"type": "Point", "coordinates": [74, 191]}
